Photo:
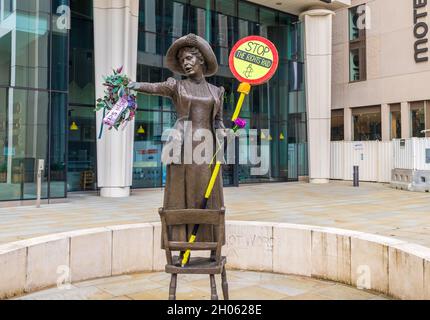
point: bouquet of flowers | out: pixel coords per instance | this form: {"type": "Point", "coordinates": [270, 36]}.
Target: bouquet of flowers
{"type": "Point", "coordinates": [119, 103]}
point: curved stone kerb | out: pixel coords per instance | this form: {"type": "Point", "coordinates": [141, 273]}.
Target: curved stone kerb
{"type": "Point", "coordinates": [383, 264]}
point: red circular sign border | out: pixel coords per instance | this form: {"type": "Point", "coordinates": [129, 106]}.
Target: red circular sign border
{"type": "Point", "coordinates": [269, 75]}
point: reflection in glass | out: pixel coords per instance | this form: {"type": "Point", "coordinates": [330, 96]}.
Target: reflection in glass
{"type": "Point", "coordinates": [175, 18]}
{"type": "Point", "coordinates": [337, 125]}
{"type": "Point", "coordinates": [227, 7]}
{"type": "Point", "coordinates": [5, 58]}
{"type": "Point", "coordinates": [354, 30]}
{"type": "Point", "coordinates": [25, 133]}
{"type": "Point", "coordinates": [32, 57]}
{"type": "Point", "coordinates": [248, 11]}
{"type": "Point", "coordinates": [267, 20]}
{"type": "Point", "coordinates": [417, 119]}
{"type": "Point", "coordinates": [59, 44]}
{"type": "Point", "coordinates": [58, 131]}
{"type": "Point", "coordinates": [200, 22]}
{"type": "Point", "coordinates": [395, 122]}
{"type": "Point", "coordinates": [354, 65]}
{"type": "Point", "coordinates": [81, 70]}
{"type": "Point", "coordinates": [147, 167]}
{"type": "Point", "coordinates": [367, 124]}
{"type": "Point", "coordinates": [4, 145]}
{"type": "Point", "coordinates": [30, 39]}
{"type": "Point", "coordinates": [82, 148]}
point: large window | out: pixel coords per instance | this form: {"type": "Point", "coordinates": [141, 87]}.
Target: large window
{"type": "Point", "coordinates": [367, 123]}
{"type": "Point", "coordinates": [81, 128]}
{"type": "Point", "coordinates": [395, 121]}
{"type": "Point", "coordinates": [33, 97]}
{"type": "Point", "coordinates": [357, 44]}
{"type": "Point", "coordinates": [418, 119]}
{"type": "Point", "coordinates": [81, 70]}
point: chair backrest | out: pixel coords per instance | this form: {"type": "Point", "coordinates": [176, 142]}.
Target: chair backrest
{"type": "Point", "coordinates": [180, 217]}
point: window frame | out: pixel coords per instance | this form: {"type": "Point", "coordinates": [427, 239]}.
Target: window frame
{"type": "Point", "coordinates": [360, 45]}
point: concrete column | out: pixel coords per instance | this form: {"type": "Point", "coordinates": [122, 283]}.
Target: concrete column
{"type": "Point", "coordinates": [405, 120]}
{"type": "Point", "coordinates": [347, 122]}
{"type": "Point", "coordinates": [318, 57]}
{"type": "Point", "coordinates": [115, 44]}
{"type": "Point", "coordinates": [385, 122]}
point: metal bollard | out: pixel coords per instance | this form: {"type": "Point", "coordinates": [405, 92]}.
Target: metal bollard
{"type": "Point", "coordinates": [40, 168]}
{"type": "Point", "coordinates": [356, 176]}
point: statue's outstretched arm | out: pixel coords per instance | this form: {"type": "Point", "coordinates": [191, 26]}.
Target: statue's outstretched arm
{"type": "Point", "coordinates": [165, 89]}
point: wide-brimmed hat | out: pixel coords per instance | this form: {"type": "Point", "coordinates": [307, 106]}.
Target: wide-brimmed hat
{"type": "Point", "coordinates": [192, 40]}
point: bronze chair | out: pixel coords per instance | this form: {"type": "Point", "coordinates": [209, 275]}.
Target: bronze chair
{"type": "Point", "coordinates": [215, 264]}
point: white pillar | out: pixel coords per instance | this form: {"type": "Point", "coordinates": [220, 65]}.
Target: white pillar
{"type": "Point", "coordinates": [318, 56]}
{"type": "Point", "coordinates": [115, 44]}
{"type": "Point", "coordinates": [405, 115]}
{"type": "Point", "coordinates": [347, 122]}
{"type": "Point", "coordinates": [385, 122]}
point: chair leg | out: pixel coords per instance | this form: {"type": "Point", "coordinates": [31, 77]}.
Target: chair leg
{"type": "Point", "coordinates": [224, 284]}
{"type": "Point", "coordinates": [172, 289]}
{"type": "Point", "coordinates": [214, 295]}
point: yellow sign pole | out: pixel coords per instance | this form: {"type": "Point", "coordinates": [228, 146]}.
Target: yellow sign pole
{"type": "Point", "coordinates": [205, 202]}
{"type": "Point", "coordinates": [254, 59]}
{"type": "Point", "coordinates": [244, 89]}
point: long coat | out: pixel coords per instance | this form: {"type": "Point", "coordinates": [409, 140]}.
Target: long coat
{"type": "Point", "coordinates": [186, 183]}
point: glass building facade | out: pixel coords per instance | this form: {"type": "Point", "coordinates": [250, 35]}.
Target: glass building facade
{"type": "Point", "coordinates": [81, 126]}
{"type": "Point", "coordinates": [33, 98]}
{"type": "Point", "coordinates": [278, 105]}
{"type": "Point", "coordinates": [47, 91]}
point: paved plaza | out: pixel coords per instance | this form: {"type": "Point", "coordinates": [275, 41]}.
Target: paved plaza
{"type": "Point", "coordinates": [373, 208]}
{"type": "Point", "coordinates": [242, 286]}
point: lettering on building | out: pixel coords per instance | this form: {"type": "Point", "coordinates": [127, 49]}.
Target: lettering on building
{"type": "Point", "coordinates": [421, 30]}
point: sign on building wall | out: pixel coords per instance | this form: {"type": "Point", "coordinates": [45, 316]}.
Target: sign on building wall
{"type": "Point", "coordinates": [421, 30]}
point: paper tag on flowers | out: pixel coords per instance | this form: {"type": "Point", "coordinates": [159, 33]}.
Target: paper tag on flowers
{"type": "Point", "coordinates": [116, 111]}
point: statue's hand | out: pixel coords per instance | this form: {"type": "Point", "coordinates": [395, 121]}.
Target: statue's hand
{"type": "Point", "coordinates": [133, 86]}
{"type": "Point", "coordinates": [222, 133]}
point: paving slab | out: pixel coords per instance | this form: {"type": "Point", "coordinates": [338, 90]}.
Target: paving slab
{"type": "Point", "coordinates": [253, 286]}
{"type": "Point", "coordinates": [373, 208]}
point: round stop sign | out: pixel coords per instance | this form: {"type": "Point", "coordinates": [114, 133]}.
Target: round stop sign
{"type": "Point", "coordinates": [254, 60]}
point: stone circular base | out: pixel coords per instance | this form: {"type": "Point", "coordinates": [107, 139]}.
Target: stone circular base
{"type": "Point", "coordinates": [115, 192]}
{"type": "Point", "coordinates": [389, 266]}
{"type": "Point", "coordinates": [319, 181]}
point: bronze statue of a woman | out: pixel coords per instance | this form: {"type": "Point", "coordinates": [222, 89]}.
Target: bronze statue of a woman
{"type": "Point", "coordinates": [201, 103]}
